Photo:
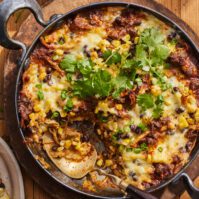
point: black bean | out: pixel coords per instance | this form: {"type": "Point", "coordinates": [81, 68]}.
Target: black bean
{"type": "Point", "coordinates": [182, 150]}
{"type": "Point", "coordinates": [2, 185]}
{"type": "Point", "coordinates": [133, 127]}
{"type": "Point", "coordinates": [85, 137]}
{"type": "Point", "coordinates": [188, 146]}
{"type": "Point", "coordinates": [138, 130]}
{"type": "Point", "coordinates": [132, 174]}
{"type": "Point", "coordinates": [172, 36]}
{"type": "Point", "coordinates": [170, 132]}
{"type": "Point", "coordinates": [48, 70]}
{"type": "Point", "coordinates": [175, 89]}
{"type": "Point", "coordinates": [180, 110]}
{"type": "Point", "coordinates": [86, 51]}
{"type": "Point", "coordinates": [54, 148]}
{"type": "Point", "coordinates": [135, 178]}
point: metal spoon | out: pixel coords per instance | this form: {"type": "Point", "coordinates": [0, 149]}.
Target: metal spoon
{"type": "Point", "coordinates": [80, 169]}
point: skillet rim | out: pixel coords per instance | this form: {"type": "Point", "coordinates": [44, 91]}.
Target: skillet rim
{"type": "Point", "coordinates": [24, 60]}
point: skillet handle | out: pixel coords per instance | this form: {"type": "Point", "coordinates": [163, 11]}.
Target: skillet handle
{"type": "Point", "coordinates": [189, 186]}
{"type": "Point", "coordinates": [7, 8]}
{"type": "Point", "coordinates": [135, 193]}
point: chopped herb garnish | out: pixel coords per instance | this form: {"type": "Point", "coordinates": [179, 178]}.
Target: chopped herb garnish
{"type": "Point", "coordinates": [84, 66]}
{"type": "Point", "coordinates": [158, 110]}
{"type": "Point", "coordinates": [160, 149]}
{"type": "Point", "coordinates": [40, 95]}
{"type": "Point", "coordinates": [69, 76]}
{"type": "Point", "coordinates": [139, 81]}
{"type": "Point", "coordinates": [120, 83]}
{"type": "Point", "coordinates": [69, 63]}
{"type": "Point", "coordinates": [111, 57]}
{"type": "Point", "coordinates": [145, 101]}
{"type": "Point", "coordinates": [64, 94]}
{"type": "Point", "coordinates": [55, 114]}
{"type": "Point", "coordinates": [129, 149]}
{"type": "Point", "coordinates": [98, 84]}
{"type": "Point", "coordinates": [102, 118]}
{"type": "Point", "coordinates": [137, 150]}
{"type": "Point", "coordinates": [39, 86]}
{"type": "Point", "coordinates": [142, 126]}
{"type": "Point", "coordinates": [144, 146]}
{"type": "Point", "coordinates": [69, 105]}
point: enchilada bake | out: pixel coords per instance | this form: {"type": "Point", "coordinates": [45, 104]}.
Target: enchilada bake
{"type": "Point", "coordinates": [126, 75]}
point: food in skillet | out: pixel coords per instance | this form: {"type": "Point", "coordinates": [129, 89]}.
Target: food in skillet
{"type": "Point", "coordinates": [127, 74]}
{"type": "Point", "coordinates": [3, 194]}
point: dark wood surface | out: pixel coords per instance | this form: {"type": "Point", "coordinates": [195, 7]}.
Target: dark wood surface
{"type": "Point", "coordinates": [27, 30]}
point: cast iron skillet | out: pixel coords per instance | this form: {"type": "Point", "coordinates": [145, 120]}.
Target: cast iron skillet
{"type": "Point", "coordinates": [54, 181]}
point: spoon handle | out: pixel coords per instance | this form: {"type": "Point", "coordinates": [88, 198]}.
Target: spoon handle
{"type": "Point", "coordinates": [135, 193]}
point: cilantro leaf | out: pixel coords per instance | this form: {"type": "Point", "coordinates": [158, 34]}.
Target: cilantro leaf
{"type": "Point", "coordinates": [120, 83]}
{"type": "Point", "coordinates": [98, 83]}
{"type": "Point", "coordinates": [69, 63]}
{"type": "Point", "coordinates": [63, 94]}
{"type": "Point", "coordinates": [150, 50]}
{"type": "Point", "coordinates": [128, 64]}
{"type": "Point", "coordinates": [101, 82]}
{"type": "Point", "coordinates": [111, 57]}
{"type": "Point", "coordinates": [55, 115]}
{"type": "Point", "coordinates": [142, 126]}
{"type": "Point", "coordinates": [40, 95]}
{"type": "Point", "coordinates": [145, 101]}
{"type": "Point", "coordinates": [158, 110]}
{"type": "Point", "coordinates": [84, 66]}
{"type": "Point", "coordinates": [69, 105]}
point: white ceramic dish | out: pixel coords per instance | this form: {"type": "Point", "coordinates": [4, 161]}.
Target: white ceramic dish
{"type": "Point", "coordinates": [10, 172]}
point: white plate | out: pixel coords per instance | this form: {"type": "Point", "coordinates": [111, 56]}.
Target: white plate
{"type": "Point", "coordinates": [10, 172]}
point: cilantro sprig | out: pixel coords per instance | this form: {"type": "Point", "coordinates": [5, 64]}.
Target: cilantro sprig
{"type": "Point", "coordinates": [145, 101]}
{"type": "Point", "coordinates": [151, 50]}
{"type": "Point", "coordinates": [111, 57]}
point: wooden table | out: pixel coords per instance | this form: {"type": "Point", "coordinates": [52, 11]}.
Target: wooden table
{"type": "Point", "coordinates": [188, 10]}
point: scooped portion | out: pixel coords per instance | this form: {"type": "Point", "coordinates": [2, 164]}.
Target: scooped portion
{"type": "Point", "coordinates": [75, 163]}
{"type": "Point", "coordinates": [129, 75]}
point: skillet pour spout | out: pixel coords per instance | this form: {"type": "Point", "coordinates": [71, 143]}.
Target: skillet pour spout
{"type": "Point", "coordinates": [52, 182]}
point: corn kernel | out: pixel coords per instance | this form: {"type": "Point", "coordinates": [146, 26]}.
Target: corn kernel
{"type": "Point", "coordinates": [32, 116]}
{"type": "Point", "coordinates": [171, 125]}
{"type": "Point", "coordinates": [37, 108]}
{"type": "Point", "coordinates": [155, 90]}
{"type": "Point", "coordinates": [197, 115]}
{"type": "Point", "coordinates": [72, 113]}
{"type": "Point", "coordinates": [191, 104]}
{"type": "Point", "coordinates": [67, 144]}
{"type": "Point", "coordinates": [149, 158]}
{"type": "Point", "coordinates": [126, 37]}
{"type": "Point", "coordinates": [60, 131]}
{"type": "Point", "coordinates": [62, 143]}
{"type": "Point", "coordinates": [190, 121]}
{"type": "Point", "coordinates": [108, 163]}
{"type": "Point", "coordinates": [61, 148]}
{"type": "Point", "coordinates": [121, 148]}
{"type": "Point", "coordinates": [136, 40]}
{"type": "Point", "coordinates": [99, 132]}
{"type": "Point", "coordinates": [119, 107]}
{"type": "Point", "coordinates": [100, 162]}
{"type": "Point", "coordinates": [182, 122]}
{"type": "Point", "coordinates": [78, 146]}
{"type": "Point", "coordinates": [116, 43]}
{"type": "Point", "coordinates": [59, 52]}
{"type": "Point", "coordinates": [36, 138]}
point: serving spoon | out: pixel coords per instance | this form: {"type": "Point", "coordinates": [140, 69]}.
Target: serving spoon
{"type": "Point", "coordinates": [78, 170]}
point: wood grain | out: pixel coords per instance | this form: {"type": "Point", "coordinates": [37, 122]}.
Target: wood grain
{"type": "Point", "coordinates": [188, 10]}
